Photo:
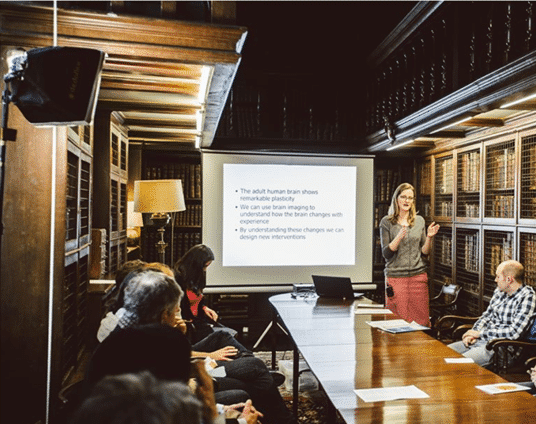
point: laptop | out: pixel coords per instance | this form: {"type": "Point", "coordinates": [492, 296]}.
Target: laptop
{"type": "Point", "coordinates": [336, 287]}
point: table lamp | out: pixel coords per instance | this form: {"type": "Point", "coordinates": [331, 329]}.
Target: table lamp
{"type": "Point", "coordinates": [159, 197]}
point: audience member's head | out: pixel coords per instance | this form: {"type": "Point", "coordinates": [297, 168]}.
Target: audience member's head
{"type": "Point", "coordinates": [158, 266]}
{"type": "Point", "coordinates": [190, 269]}
{"type": "Point", "coordinates": [116, 297]}
{"type": "Point", "coordinates": [160, 349]}
{"type": "Point", "coordinates": [513, 269]}
{"type": "Point", "coordinates": [139, 399]}
{"type": "Point", "coordinates": [151, 297]}
{"type": "Point", "coordinates": [127, 268]}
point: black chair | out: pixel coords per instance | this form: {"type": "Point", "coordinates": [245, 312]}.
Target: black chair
{"type": "Point", "coordinates": [445, 303]}
{"type": "Point", "coordinates": [509, 356]}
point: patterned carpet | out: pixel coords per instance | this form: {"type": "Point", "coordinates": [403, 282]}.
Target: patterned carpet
{"type": "Point", "coordinates": [312, 404]}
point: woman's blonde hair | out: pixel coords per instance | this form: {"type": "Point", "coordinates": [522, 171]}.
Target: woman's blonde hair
{"type": "Point", "coordinates": [394, 210]}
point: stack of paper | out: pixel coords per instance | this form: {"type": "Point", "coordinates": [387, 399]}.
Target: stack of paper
{"type": "Point", "coordinates": [397, 326]}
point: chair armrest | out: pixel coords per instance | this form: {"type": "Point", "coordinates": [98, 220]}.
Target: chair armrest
{"type": "Point", "coordinates": [450, 321]}
{"type": "Point", "coordinates": [435, 297]}
{"type": "Point", "coordinates": [450, 324]}
{"type": "Point", "coordinates": [459, 331]}
{"type": "Point", "coordinates": [531, 362]}
{"type": "Point", "coordinates": [496, 344]}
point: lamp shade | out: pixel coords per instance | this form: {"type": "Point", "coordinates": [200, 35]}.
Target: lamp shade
{"type": "Point", "coordinates": [134, 219]}
{"type": "Point", "coordinates": [157, 196]}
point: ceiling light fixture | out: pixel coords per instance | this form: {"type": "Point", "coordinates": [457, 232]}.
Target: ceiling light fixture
{"type": "Point", "coordinates": [515, 102]}
{"type": "Point", "coordinates": [461, 121]}
{"type": "Point", "coordinates": [396, 146]}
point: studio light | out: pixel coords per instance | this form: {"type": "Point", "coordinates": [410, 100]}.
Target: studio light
{"type": "Point", "coordinates": [55, 85]}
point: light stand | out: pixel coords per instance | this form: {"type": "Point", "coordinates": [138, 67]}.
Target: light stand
{"type": "Point", "coordinates": [16, 69]}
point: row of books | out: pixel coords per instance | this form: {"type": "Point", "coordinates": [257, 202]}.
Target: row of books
{"type": "Point", "coordinates": [500, 250]}
{"type": "Point", "coordinates": [470, 252]}
{"type": "Point", "coordinates": [501, 169]}
{"type": "Point", "coordinates": [501, 206]}
{"type": "Point", "coordinates": [377, 254]}
{"type": "Point", "coordinates": [191, 217]}
{"type": "Point", "coordinates": [444, 208]}
{"type": "Point", "coordinates": [444, 250]}
{"type": "Point", "coordinates": [425, 174]}
{"type": "Point", "coordinates": [529, 260]}
{"type": "Point", "coordinates": [469, 172]}
{"type": "Point", "coordinates": [188, 173]}
{"type": "Point", "coordinates": [387, 181]}
{"type": "Point", "coordinates": [529, 166]}
{"type": "Point", "coordinates": [181, 243]}
{"type": "Point", "coordinates": [469, 210]}
{"type": "Point", "coordinates": [380, 210]}
{"type": "Point", "coordinates": [444, 177]}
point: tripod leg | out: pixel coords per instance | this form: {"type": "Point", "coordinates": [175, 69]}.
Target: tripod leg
{"type": "Point", "coordinates": [263, 334]}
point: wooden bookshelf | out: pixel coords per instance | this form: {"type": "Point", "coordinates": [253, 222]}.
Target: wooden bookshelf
{"type": "Point", "coordinates": [110, 197]}
{"type": "Point", "coordinates": [492, 190]}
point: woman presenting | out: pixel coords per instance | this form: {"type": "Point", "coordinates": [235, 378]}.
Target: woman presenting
{"type": "Point", "coordinates": [404, 239]}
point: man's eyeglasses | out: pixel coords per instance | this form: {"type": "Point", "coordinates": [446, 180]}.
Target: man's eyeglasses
{"type": "Point", "coordinates": [406, 198]}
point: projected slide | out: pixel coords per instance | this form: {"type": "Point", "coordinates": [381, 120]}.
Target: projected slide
{"type": "Point", "coordinates": [288, 215]}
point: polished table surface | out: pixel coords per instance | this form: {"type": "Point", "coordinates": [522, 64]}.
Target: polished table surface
{"type": "Point", "coordinates": [345, 353]}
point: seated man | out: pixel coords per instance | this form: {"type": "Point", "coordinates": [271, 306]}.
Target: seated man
{"type": "Point", "coordinates": [510, 311]}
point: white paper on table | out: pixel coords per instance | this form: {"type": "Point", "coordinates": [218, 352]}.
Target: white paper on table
{"type": "Point", "coordinates": [388, 323]}
{"type": "Point", "coordinates": [459, 360]}
{"type": "Point", "coordinates": [494, 389]}
{"type": "Point", "coordinates": [397, 326]}
{"type": "Point", "coordinates": [390, 393]}
{"type": "Point", "coordinates": [369, 305]}
{"type": "Point", "coordinates": [367, 311]}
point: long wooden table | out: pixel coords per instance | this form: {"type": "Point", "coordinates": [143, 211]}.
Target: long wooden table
{"type": "Point", "coordinates": [345, 353]}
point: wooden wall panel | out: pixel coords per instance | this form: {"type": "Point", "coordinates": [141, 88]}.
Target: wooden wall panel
{"type": "Point", "coordinates": [24, 277]}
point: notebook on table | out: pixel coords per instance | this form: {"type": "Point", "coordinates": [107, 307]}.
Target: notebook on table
{"type": "Point", "coordinates": [336, 287]}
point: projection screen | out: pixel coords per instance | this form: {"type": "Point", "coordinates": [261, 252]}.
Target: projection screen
{"type": "Point", "coordinates": [275, 219]}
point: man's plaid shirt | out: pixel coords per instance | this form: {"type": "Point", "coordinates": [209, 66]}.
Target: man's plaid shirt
{"type": "Point", "coordinates": [507, 316]}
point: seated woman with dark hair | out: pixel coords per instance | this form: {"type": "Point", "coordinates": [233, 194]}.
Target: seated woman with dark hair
{"type": "Point", "coordinates": [190, 273]}
{"type": "Point", "coordinates": [153, 297]}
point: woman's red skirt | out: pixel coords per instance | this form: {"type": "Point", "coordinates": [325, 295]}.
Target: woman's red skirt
{"type": "Point", "coordinates": [410, 298]}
